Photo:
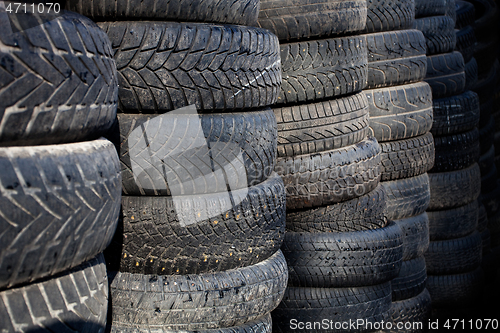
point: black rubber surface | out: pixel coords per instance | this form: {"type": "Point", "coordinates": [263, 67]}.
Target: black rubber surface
{"type": "Point", "coordinates": [446, 74]}
{"type": "Point", "coordinates": [58, 81]}
{"type": "Point", "coordinates": [453, 223]}
{"type": "Point", "coordinates": [59, 207]}
{"type": "Point", "coordinates": [456, 151]}
{"type": "Point", "coordinates": [332, 176]}
{"type": "Point", "coordinates": [466, 42]}
{"type": "Point", "coordinates": [164, 66]}
{"type": "Point", "coordinates": [415, 235]}
{"type": "Point", "coordinates": [439, 32]}
{"type": "Point", "coordinates": [471, 74]}
{"type": "Point", "coordinates": [407, 197]}
{"type": "Point", "coordinates": [385, 15]}
{"type": "Point", "coordinates": [400, 112]}
{"type": "Point", "coordinates": [455, 114]}
{"type": "Point", "coordinates": [413, 314]}
{"type": "Point", "coordinates": [396, 57]}
{"type": "Point", "coordinates": [411, 279]}
{"type": "Point", "coordinates": [345, 259]}
{"type": "Point", "coordinates": [465, 14]}
{"type": "Point", "coordinates": [195, 234]}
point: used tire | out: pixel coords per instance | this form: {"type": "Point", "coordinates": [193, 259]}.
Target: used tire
{"type": "Point", "coordinates": [293, 20]}
{"type": "Point", "coordinates": [59, 206]}
{"type": "Point", "coordinates": [190, 153]}
{"type": "Point", "coordinates": [370, 303]}
{"type": "Point", "coordinates": [332, 176]}
{"type": "Point", "coordinates": [243, 12]}
{"type": "Point", "coordinates": [471, 74]}
{"type": "Point", "coordinates": [455, 114]}
{"type": "Point", "coordinates": [466, 42]}
{"type": "Point", "coordinates": [415, 311]}
{"type": "Point", "coordinates": [453, 189]}
{"type": "Point", "coordinates": [198, 302]}
{"type": "Point", "coordinates": [415, 235]}
{"type": "Point", "coordinates": [346, 259]}
{"type": "Point", "coordinates": [407, 197]}
{"type": "Point", "coordinates": [195, 234]}
{"type": "Point", "coordinates": [58, 82]}
{"type": "Point", "coordinates": [439, 32]}
{"type": "Point", "coordinates": [400, 112]}
{"type": "Point", "coordinates": [446, 74]}
{"type": "Point", "coordinates": [454, 256]}
{"type": "Point", "coordinates": [385, 15]}
{"type": "Point", "coordinates": [76, 299]}
{"type": "Point", "coordinates": [453, 223]}
{"type": "Point", "coordinates": [465, 14]}
{"type": "Point", "coordinates": [410, 281]}
{"type": "Point", "coordinates": [331, 124]}
{"type": "Point", "coordinates": [320, 69]}
{"type": "Point", "coordinates": [407, 158]}
{"type": "Point", "coordinates": [164, 66]}
{"type": "Point", "coordinates": [425, 8]}
{"type": "Point", "coordinates": [362, 213]}
{"type": "Point", "coordinates": [395, 57]}
{"type": "Point", "coordinates": [456, 151]}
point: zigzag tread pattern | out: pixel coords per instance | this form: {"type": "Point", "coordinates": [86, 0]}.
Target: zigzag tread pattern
{"type": "Point", "coordinates": [154, 237]}
{"type": "Point", "coordinates": [400, 112]}
{"type": "Point", "coordinates": [407, 158]}
{"type": "Point", "coordinates": [291, 20]}
{"type": "Point", "coordinates": [455, 114]}
{"type": "Point", "coordinates": [439, 32]}
{"type": "Point", "coordinates": [59, 207]}
{"type": "Point", "coordinates": [317, 127]}
{"type": "Point", "coordinates": [242, 12]}
{"type": "Point", "coordinates": [411, 310]}
{"type": "Point", "coordinates": [384, 15]}
{"type": "Point", "coordinates": [58, 82]}
{"type": "Point", "coordinates": [336, 260]}
{"type": "Point", "coordinates": [315, 70]}
{"type": "Point", "coordinates": [361, 213]}
{"type": "Point", "coordinates": [446, 74]}
{"type": "Point", "coordinates": [202, 301]}
{"type": "Point", "coordinates": [237, 150]}
{"type": "Point", "coordinates": [76, 300]}
{"type": "Point", "coordinates": [333, 176]}
{"type": "Point", "coordinates": [164, 66]}
{"type": "Point", "coordinates": [454, 188]}
{"type": "Point", "coordinates": [407, 197]}
{"type": "Point", "coordinates": [311, 304]}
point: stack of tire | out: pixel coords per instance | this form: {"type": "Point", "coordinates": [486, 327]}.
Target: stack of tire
{"type": "Point", "coordinates": [455, 250]}
{"type": "Point", "coordinates": [341, 251]}
{"type": "Point", "coordinates": [60, 186]}
{"type": "Point", "coordinates": [400, 105]}
{"type": "Point", "coordinates": [203, 214]}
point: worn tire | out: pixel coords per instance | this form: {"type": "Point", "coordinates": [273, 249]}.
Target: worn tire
{"type": "Point", "coordinates": [457, 290]}
{"type": "Point", "coordinates": [471, 74]}
{"type": "Point", "coordinates": [465, 14]}
{"type": "Point", "coordinates": [410, 281]}
{"type": "Point", "coordinates": [198, 302]}
{"type": "Point", "coordinates": [415, 310]}
{"type": "Point", "coordinates": [425, 8]}
{"type": "Point", "coordinates": [446, 74]}
{"type": "Point", "coordinates": [386, 15]}
{"type": "Point", "coordinates": [76, 299]}
{"type": "Point", "coordinates": [407, 158]}
{"type": "Point", "coordinates": [370, 303]}
{"type": "Point", "coordinates": [333, 176]}
{"type": "Point", "coordinates": [455, 114]}
{"type": "Point", "coordinates": [456, 151]}
{"type": "Point", "coordinates": [400, 112]}
{"type": "Point", "coordinates": [466, 42]}
{"type": "Point", "coordinates": [164, 66]}
{"type": "Point", "coordinates": [190, 153]}
{"type": "Point", "coordinates": [321, 259]}
{"type": "Point", "coordinates": [196, 234]}
{"type": "Point", "coordinates": [243, 12]}
{"type": "Point", "coordinates": [453, 223]}
{"type": "Point", "coordinates": [320, 69]}
{"type": "Point", "coordinates": [362, 213]}
{"type": "Point", "coordinates": [454, 256]}
{"type": "Point", "coordinates": [415, 235]}
{"type": "Point", "coordinates": [407, 197]}
{"type": "Point", "coordinates": [453, 189]}
{"type": "Point", "coordinates": [293, 20]}
{"type": "Point", "coordinates": [439, 32]}
{"type": "Point", "coordinates": [261, 325]}
{"type": "Point", "coordinates": [58, 82]}
{"type": "Point", "coordinates": [59, 206]}
{"type": "Point", "coordinates": [331, 124]}
{"type": "Point", "coordinates": [395, 57]}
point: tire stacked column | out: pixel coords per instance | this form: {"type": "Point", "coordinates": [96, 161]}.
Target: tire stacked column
{"type": "Point", "coordinates": [203, 213]}
{"type": "Point", "coordinates": [400, 105]}
{"type": "Point", "coordinates": [60, 185]}
{"type": "Point", "coordinates": [454, 255]}
{"type": "Point", "coordinates": [340, 250]}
